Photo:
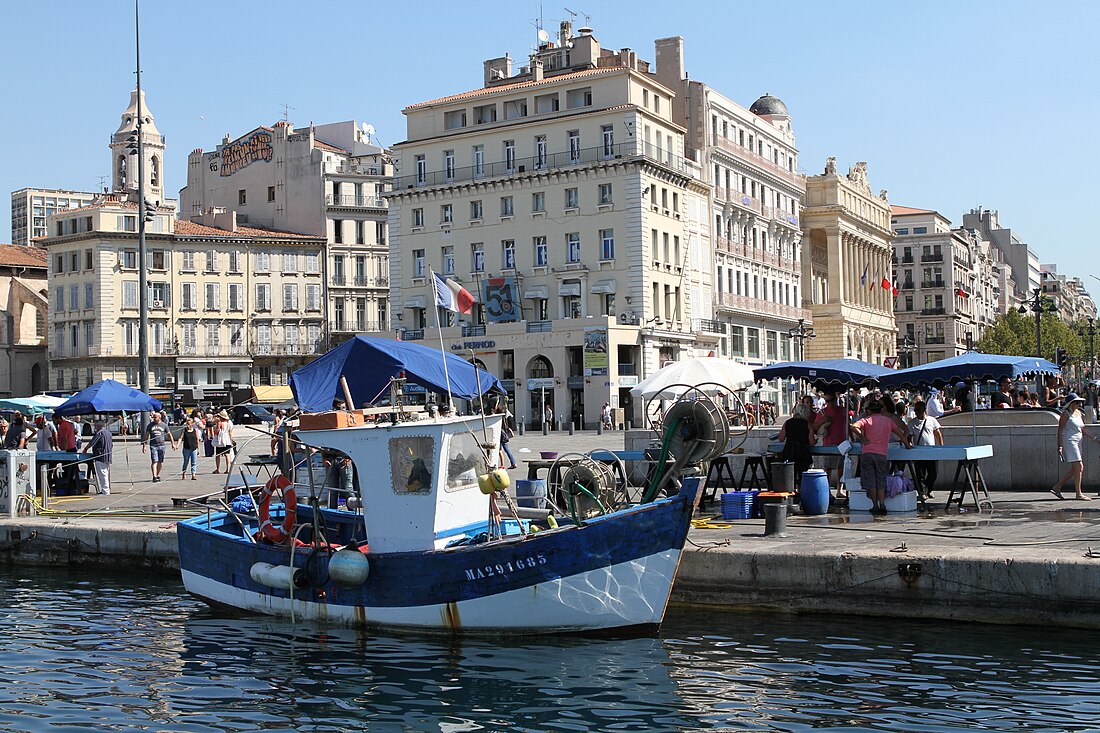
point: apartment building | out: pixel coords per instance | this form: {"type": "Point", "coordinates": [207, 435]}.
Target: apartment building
{"type": "Point", "coordinates": [30, 207]}
{"type": "Point", "coordinates": [1068, 294]}
{"type": "Point", "coordinates": [560, 196]}
{"type": "Point", "coordinates": [226, 302]}
{"type": "Point", "coordinates": [949, 285]}
{"type": "Point", "coordinates": [846, 266]}
{"type": "Point", "coordinates": [322, 180]}
{"type": "Point", "coordinates": [750, 159]}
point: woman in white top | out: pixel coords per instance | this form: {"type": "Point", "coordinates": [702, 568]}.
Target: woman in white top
{"type": "Point", "coordinates": [1071, 427]}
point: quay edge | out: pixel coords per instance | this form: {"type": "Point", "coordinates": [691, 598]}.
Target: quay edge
{"type": "Point", "coordinates": [1017, 585]}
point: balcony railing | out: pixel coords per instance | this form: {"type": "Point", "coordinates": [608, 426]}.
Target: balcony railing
{"type": "Point", "coordinates": [473, 330]}
{"type": "Point", "coordinates": [355, 326]}
{"type": "Point", "coordinates": [294, 348]}
{"type": "Point", "coordinates": [358, 202]}
{"type": "Point", "coordinates": [796, 179]}
{"type": "Point", "coordinates": [907, 285]}
{"type": "Point", "coordinates": [566, 159]}
{"type": "Point", "coordinates": [413, 335]}
{"type": "Point", "coordinates": [361, 281]}
{"type": "Point", "coordinates": [540, 326]}
{"type": "Point", "coordinates": [756, 254]}
{"type": "Point", "coordinates": [383, 282]}
{"type": "Point", "coordinates": [211, 350]}
{"type": "Point", "coordinates": [706, 325]}
{"type": "Point", "coordinates": [754, 305]}
{"type": "Point", "coordinates": [932, 258]}
{"type": "Point", "coordinates": [935, 340]}
{"type": "Point", "coordinates": [932, 311]}
{"type": "Point", "coordinates": [933, 283]}
{"type": "Point", "coordinates": [908, 260]}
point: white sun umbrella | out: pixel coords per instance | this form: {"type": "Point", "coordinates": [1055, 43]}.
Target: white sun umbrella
{"type": "Point", "coordinates": [710, 373]}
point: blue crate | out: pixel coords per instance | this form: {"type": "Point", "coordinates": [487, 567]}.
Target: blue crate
{"type": "Point", "coordinates": [737, 504]}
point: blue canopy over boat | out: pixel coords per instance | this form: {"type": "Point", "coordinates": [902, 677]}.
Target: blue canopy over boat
{"type": "Point", "coordinates": [368, 364]}
{"type": "Point", "coordinates": [826, 372]}
{"type": "Point", "coordinates": [973, 365]}
{"type": "Point", "coordinates": [108, 396]}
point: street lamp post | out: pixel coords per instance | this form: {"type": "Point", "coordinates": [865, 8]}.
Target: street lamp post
{"type": "Point", "coordinates": [801, 333]}
{"type": "Point", "coordinates": [1037, 305]}
{"type": "Point", "coordinates": [906, 344]}
{"type": "Point", "coordinates": [1092, 346]}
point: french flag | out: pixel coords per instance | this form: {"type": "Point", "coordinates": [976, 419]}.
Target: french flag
{"type": "Point", "coordinates": [451, 295]}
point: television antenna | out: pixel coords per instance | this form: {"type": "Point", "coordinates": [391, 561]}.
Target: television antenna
{"type": "Point", "coordinates": [286, 111]}
{"type": "Point", "coordinates": [585, 28]}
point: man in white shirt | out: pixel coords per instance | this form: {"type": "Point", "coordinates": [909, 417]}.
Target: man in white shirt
{"type": "Point", "coordinates": [925, 430]}
{"type": "Point", "coordinates": [935, 404]}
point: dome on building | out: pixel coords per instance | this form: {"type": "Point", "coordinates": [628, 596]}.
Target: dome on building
{"type": "Point", "coordinates": [769, 105]}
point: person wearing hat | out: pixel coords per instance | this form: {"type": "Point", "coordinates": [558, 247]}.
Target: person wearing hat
{"type": "Point", "coordinates": [223, 442]}
{"type": "Point", "coordinates": [101, 447]}
{"type": "Point", "coordinates": [47, 433]}
{"type": "Point", "coordinates": [1071, 428]}
{"type": "Point", "coordinates": [934, 404]}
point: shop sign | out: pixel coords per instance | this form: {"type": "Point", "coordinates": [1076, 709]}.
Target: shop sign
{"type": "Point", "coordinates": [475, 345]}
{"type": "Point", "coordinates": [541, 383]}
{"type": "Point", "coordinates": [575, 382]}
{"type": "Point", "coordinates": [628, 381]}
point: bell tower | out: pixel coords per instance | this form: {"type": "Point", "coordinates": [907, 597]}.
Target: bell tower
{"type": "Point", "coordinates": [124, 172]}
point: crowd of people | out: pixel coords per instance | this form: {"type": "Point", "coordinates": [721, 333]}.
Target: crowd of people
{"type": "Point", "coordinates": [875, 418]}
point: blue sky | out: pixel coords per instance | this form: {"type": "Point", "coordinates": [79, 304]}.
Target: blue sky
{"type": "Point", "coordinates": [952, 104]}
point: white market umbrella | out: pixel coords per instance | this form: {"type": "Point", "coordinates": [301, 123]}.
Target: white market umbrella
{"type": "Point", "coordinates": [710, 373]}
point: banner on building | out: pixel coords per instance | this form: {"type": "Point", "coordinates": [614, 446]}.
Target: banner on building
{"type": "Point", "coordinates": [501, 300]}
{"type": "Point", "coordinates": [595, 351]}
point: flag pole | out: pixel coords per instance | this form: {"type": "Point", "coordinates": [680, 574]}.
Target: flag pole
{"type": "Point", "coordinates": [439, 330]}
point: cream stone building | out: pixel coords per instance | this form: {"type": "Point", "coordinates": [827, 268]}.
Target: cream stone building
{"type": "Point", "coordinates": [225, 302]}
{"type": "Point", "coordinates": [322, 180]}
{"type": "Point", "coordinates": [22, 320]}
{"type": "Point", "coordinates": [845, 266]}
{"type": "Point", "coordinates": [750, 159]}
{"type": "Point", "coordinates": [561, 198]}
{"type": "Point", "coordinates": [949, 288]}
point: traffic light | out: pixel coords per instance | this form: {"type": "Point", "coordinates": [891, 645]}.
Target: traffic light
{"type": "Point", "coordinates": [1061, 356]}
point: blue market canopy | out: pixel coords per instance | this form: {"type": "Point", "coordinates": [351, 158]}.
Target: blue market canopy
{"type": "Point", "coordinates": [826, 372]}
{"type": "Point", "coordinates": [972, 365]}
{"type": "Point", "coordinates": [368, 364]}
{"type": "Point", "coordinates": [108, 396]}
{"type": "Point", "coordinates": [31, 405]}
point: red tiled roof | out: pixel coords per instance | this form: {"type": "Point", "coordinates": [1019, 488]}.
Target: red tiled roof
{"type": "Point", "coordinates": [473, 94]}
{"type": "Point", "coordinates": [193, 229]}
{"type": "Point", "coordinates": [15, 255]}
{"type": "Point", "coordinates": [905, 210]}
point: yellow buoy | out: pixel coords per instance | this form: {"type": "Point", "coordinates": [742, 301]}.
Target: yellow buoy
{"type": "Point", "coordinates": [485, 483]}
{"type": "Point", "coordinates": [500, 479]}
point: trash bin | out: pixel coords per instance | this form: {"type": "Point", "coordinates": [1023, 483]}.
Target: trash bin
{"type": "Point", "coordinates": [783, 477]}
{"type": "Point", "coordinates": [775, 520]}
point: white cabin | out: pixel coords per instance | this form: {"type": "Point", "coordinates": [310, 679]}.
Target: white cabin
{"type": "Point", "coordinates": [418, 479]}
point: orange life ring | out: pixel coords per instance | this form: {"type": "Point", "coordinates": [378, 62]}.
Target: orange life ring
{"type": "Point", "coordinates": [268, 530]}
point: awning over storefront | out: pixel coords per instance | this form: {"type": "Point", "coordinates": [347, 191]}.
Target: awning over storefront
{"type": "Point", "coordinates": [603, 286]}
{"type": "Point", "coordinates": [569, 289]}
{"type": "Point", "coordinates": [535, 294]}
{"type": "Point", "coordinates": [417, 302]}
{"type": "Point", "coordinates": [272, 394]}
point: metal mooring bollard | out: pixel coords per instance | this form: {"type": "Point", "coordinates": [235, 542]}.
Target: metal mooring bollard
{"type": "Point", "coordinates": [775, 520]}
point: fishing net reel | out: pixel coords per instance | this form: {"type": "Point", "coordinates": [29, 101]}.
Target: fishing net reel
{"type": "Point", "coordinates": [738, 418]}
{"type": "Point", "coordinates": [695, 430]}
{"type": "Point", "coordinates": [589, 488]}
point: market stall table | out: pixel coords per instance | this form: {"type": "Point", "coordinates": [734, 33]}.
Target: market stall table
{"type": "Point", "coordinates": [69, 482]}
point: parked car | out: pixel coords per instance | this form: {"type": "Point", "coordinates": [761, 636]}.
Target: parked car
{"type": "Point", "coordinates": [252, 415]}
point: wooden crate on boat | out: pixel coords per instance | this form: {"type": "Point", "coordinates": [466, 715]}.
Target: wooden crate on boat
{"type": "Point", "coordinates": [329, 420]}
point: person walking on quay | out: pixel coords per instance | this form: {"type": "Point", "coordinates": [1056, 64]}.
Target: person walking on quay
{"type": "Point", "coordinates": [605, 416]}
{"type": "Point", "coordinates": [875, 431]}
{"type": "Point", "coordinates": [189, 443]}
{"type": "Point", "coordinates": [548, 417]}
{"type": "Point", "coordinates": [19, 433]}
{"type": "Point", "coordinates": [1071, 427]}
{"type": "Point", "coordinates": [157, 435]}
{"type": "Point", "coordinates": [506, 434]}
{"type": "Point", "coordinates": [100, 447]}
{"type": "Point", "coordinates": [223, 442]}
{"type": "Point", "coordinates": [925, 430]}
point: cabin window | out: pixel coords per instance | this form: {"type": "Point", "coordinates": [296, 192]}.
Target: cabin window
{"type": "Point", "coordinates": [465, 464]}
{"type": "Point", "coordinates": [411, 463]}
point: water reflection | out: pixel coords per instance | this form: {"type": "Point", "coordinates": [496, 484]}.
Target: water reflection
{"type": "Point", "coordinates": [87, 653]}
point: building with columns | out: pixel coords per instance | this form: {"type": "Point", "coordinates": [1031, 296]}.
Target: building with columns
{"type": "Point", "coordinates": [846, 239]}
{"type": "Point", "coordinates": [323, 180]}
{"type": "Point", "coordinates": [562, 197]}
{"type": "Point", "coordinates": [750, 159]}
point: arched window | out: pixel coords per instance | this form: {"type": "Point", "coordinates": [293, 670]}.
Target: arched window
{"type": "Point", "coordinates": [540, 368]}
{"type": "Point", "coordinates": [154, 174]}
{"type": "Point", "coordinates": [121, 172]}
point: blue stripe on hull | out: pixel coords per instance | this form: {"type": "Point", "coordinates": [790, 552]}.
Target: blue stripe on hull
{"type": "Point", "coordinates": [425, 578]}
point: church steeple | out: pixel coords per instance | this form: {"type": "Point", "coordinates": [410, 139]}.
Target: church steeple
{"type": "Point", "coordinates": [124, 153]}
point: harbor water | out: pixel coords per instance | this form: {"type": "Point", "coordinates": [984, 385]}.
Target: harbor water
{"type": "Point", "coordinates": [89, 652]}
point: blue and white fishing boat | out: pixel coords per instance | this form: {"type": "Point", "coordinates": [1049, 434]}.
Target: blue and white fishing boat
{"type": "Point", "coordinates": [426, 548]}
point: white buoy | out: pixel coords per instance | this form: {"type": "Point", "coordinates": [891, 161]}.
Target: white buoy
{"type": "Point", "coordinates": [349, 568]}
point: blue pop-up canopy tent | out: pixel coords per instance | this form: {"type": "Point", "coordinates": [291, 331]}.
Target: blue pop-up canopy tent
{"type": "Point", "coordinates": [368, 364]}
{"type": "Point", "coordinates": [826, 372]}
{"type": "Point", "coordinates": [973, 365]}
{"type": "Point", "coordinates": [108, 396]}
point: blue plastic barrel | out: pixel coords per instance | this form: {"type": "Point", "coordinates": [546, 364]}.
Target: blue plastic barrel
{"type": "Point", "coordinates": [531, 493]}
{"type": "Point", "coordinates": [814, 492]}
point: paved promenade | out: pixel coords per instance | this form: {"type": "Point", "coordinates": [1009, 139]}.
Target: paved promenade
{"type": "Point", "coordinates": [1033, 559]}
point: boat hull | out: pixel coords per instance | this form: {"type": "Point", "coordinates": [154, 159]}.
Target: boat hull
{"type": "Point", "coordinates": [615, 572]}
